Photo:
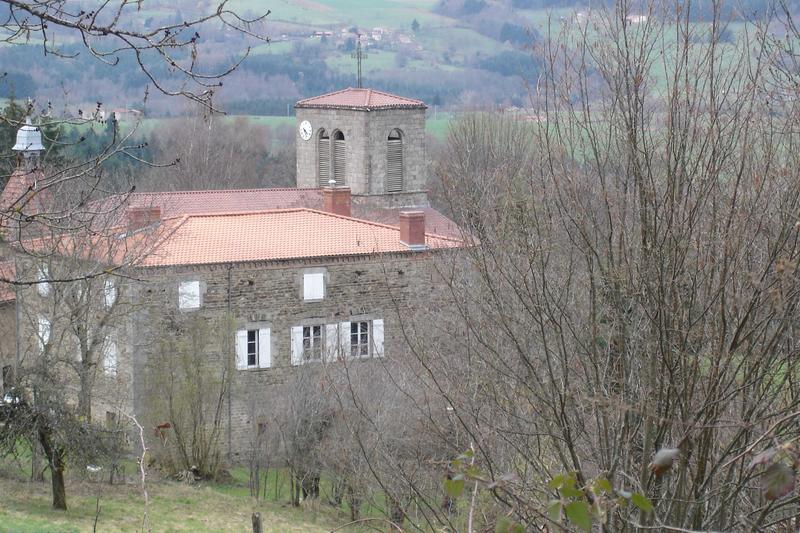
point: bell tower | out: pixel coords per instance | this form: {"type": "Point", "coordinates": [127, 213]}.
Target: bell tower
{"type": "Point", "coordinates": [370, 141]}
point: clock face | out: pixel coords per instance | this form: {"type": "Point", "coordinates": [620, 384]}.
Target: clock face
{"type": "Point", "coordinates": [305, 130]}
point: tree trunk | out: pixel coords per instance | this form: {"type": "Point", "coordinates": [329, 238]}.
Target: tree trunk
{"type": "Point", "coordinates": [257, 527]}
{"type": "Point", "coordinates": [85, 395]}
{"type": "Point", "coordinates": [37, 472]}
{"type": "Point", "coordinates": [55, 460]}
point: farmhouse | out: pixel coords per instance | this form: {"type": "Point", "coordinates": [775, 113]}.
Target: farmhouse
{"type": "Point", "coordinates": [261, 282]}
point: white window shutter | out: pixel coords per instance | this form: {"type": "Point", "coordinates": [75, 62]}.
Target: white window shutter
{"type": "Point", "coordinates": [109, 292]}
{"type": "Point", "coordinates": [297, 345]}
{"type": "Point", "coordinates": [241, 349]}
{"type": "Point", "coordinates": [110, 357]}
{"type": "Point", "coordinates": [44, 332]}
{"type": "Point", "coordinates": [314, 286]}
{"type": "Point", "coordinates": [377, 338]}
{"type": "Point", "coordinates": [344, 340]}
{"type": "Point", "coordinates": [42, 275]}
{"type": "Point", "coordinates": [264, 348]}
{"type": "Point", "coordinates": [189, 295]}
{"type": "Point", "coordinates": [331, 342]}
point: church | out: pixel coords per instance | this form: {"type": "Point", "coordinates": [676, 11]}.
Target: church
{"type": "Point", "coordinates": [278, 278]}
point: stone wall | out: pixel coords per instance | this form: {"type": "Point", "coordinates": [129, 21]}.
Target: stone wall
{"type": "Point", "coordinates": [366, 134]}
{"type": "Point", "coordinates": [271, 295]}
{"type": "Point", "coordinates": [112, 392]}
{"type": "Point", "coordinates": [8, 342]}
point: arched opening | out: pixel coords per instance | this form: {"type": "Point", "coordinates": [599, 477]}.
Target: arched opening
{"type": "Point", "coordinates": [339, 158]}
{"type": "Point", "coordinates": [394, 161]}
{"type": "Point", "coordinates": [323, 158]}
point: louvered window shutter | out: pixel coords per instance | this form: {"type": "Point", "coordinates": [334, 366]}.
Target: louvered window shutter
{"type": "Point", "coordinates": [241, 349]}
{"type": "Point", "coordinates": [344, 340]}
{"type": "Point", "coordinates": [297, 345]}
{"type": "Point", "coordinates": [377, 338]}
{"type": "Point", "coordinates": [339, 161]}
{"type": "Point", "coordinates": [324, 149]}
{"type": "Point", "coordinates": [394, 165]}
{"type": "Point", "coordinates": [264, 349]}
{"type": "Point", "coordinates": [331, 342]}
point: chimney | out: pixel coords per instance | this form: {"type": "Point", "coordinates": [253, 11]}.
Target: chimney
{"type": "Point", "coordinates": [336, 200]}
{"type": "Point", "coordinates": [140, 217]}
{"type": "Point", "coordinates": [412, 230]}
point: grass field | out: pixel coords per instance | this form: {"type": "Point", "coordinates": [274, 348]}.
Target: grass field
{"type": "Point", "coordinates": [365, 13]}
{"type": "Point", "coordinates": [26, 507]}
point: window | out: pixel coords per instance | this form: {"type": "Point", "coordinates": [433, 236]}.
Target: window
{"type": "Point", "coordinates": [253, 348]}
{"type": "Point", "coordinates": [109, 292]}
{"type": "Point", "coordinates": [312, 343]}
{"type": "Point", "coordinates": [42, 276]}
{"type": "Point", "coordinates": [110, 357]}
{"type": "Point", "coordinates": [359, 339]}
{"type": "Point", "coordinates": [362, 338]}
{"type": "Point", "coordinates": [394, 162]}
{"type": "Point", "coordinates": [323, 158]}
{"type": "Point", "coordinates": [314, 286]}
{"type": "Point", "coordinates": [43, 330]}
{"type": "Point", "coordinates": [339, 158]}
{"type": "Point", "coordinates": [189, 295]}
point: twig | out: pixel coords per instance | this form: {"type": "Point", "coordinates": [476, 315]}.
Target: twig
{"type": "Point", "coordinates": [363, 520]}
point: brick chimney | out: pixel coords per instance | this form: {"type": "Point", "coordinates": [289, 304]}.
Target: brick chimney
{"type": "Point", "coordinates": [412, 230]}
{"type": "Point", "coordinates": [140, 217]}
{"type": "Point", "coordinates": [336, 200]}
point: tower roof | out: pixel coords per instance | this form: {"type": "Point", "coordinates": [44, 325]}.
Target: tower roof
{"type": "Point", "coordinates": [360, 99]}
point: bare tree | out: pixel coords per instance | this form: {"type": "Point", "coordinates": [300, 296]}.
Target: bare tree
{"type": "Point", "coordinates": [627, 306]}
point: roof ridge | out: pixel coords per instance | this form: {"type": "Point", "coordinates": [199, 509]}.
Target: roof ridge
{"type": "Point", "coordinates": [221, 191]}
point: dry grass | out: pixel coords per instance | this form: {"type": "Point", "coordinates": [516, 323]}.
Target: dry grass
{"type": "Point", "coordinates": [26, 507]}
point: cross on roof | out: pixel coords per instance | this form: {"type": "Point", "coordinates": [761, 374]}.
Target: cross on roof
{"type": "Point", "coordinates": [359, 55]}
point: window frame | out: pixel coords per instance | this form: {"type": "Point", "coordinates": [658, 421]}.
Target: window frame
{"type": "Point", "coordinates": [363, 339]}
{"type": "Point", "coordinates": [252, 340]}
{"type": "Point", "coordinates": [313, 343]}
{"type": "Point", "coordinates": [261, 344]}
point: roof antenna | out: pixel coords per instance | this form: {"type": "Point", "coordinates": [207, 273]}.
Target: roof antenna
{"type": "Point", "coordinates": [359, 55]}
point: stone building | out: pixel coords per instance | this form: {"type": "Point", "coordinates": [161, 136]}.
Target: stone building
{"type": "Point", "coordinates": [283, 278]}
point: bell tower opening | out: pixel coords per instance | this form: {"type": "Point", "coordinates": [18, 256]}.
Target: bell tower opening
{"type": "Point", "coordinates": [339, 158]}
{"type": "Point", "coordinates": [323, 158]}
{"type": "Point", "coordinates": [394, 161]}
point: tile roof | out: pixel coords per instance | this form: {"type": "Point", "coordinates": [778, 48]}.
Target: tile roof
{"type": "Point", "coordinates": [226, 200]}
{"type": "Point", "coordinates": [276, 235]}
{"type": "Point", "coordinates": [242, 200]}
{"type": "Point", "coordinates": [7, 271]}
{"type": "Point", "coordinates": [360, 99]}
{"type": "Point", "coordinates": [19, 192]}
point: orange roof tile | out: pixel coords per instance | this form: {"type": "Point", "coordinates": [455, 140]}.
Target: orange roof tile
{"type": "Point", "coordinates": [19, 192]}
{"type": "Point", "coordinates": [277, 235]}
{"type": "Point", "coordinates": [7, 271]}
{"type": "Point", "coordinates": [252, 200]}
{"type": "Point", "coordinates": [226, 200]}
{"type": "Point", "coordinates": [360, 99]}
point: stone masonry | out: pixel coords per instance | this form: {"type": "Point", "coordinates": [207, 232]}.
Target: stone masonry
{"type": "Point", "coordinates": [366, 134]}
{"type": "Point", "coordinates": [271, 295]}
